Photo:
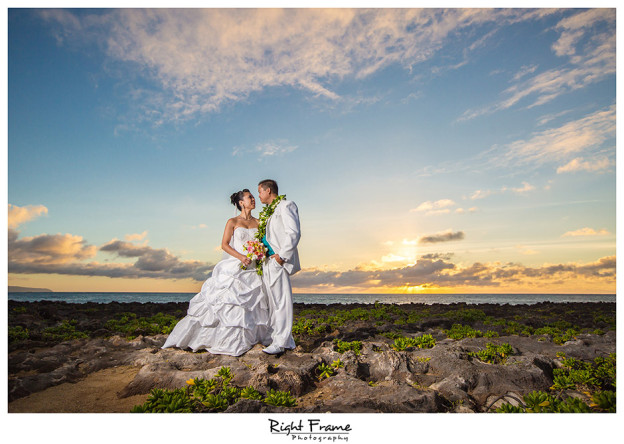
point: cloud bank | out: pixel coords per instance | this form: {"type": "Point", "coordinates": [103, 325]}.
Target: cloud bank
{"type": "Point", "coordinates": [433, 271]}
{"type": "Point", "coordinates": [66, 254]}
{"type": "Point", "coordinates": [71, 255]}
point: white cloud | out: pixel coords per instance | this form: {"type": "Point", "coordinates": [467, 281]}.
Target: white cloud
{"type": "Point", "coordinates": [201, 59]}
{"type": "Point", "coordinates": [526, 187]}
{"type": "Point", "coordinates": [592, 135]}
{"type": "Point", "coordinates": [543, 120]}
{"type": "Point", "coordinates": [437, 212]}
{"type": "Point", "coordinates": [585, 232]}
{"type": "Point", "coordinates": [48, 249]}
{"type": "Point", "coordinates": [265, 149]}
{"type": "Point", "coordinates": [590, 60]}
{"type": "Point", "coordinates": [20, 215]}
{"type": "Point", "coordinates": [575, 27]}
{"type": "Point", "coordinates": [136, 236]}
{"type": "Point", "coordinates": [560, 143]}
{"type": "Point", "coordinates": [480, 194]}
{"type": "Point", "coordinates": [412, 96]}
{"type": "Point", "coordinates": [268, 149]}
{"type": "Point", "coordinates": [578, 164]}
{"type": "Point", "coordinates": [524, 71]}
{"type": "Point", "coordinates": [432, 208]}
{"type": "Point", "coordinates": [389, 258]}
{"type": "Point", "coordinates": [527, 251]}
{"type": "Point", "coordinates": [469, 210]}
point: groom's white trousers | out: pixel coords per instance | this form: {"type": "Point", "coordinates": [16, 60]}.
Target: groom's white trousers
{"type": "Point", "coordinates": [276, 282]}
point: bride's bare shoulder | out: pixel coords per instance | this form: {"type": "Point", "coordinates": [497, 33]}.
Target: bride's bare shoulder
{"type": "Point", "coordinates": [231, 223]}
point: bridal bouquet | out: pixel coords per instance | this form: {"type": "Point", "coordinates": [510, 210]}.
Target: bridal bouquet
{"type": "Point", "coordinates": [256, 251]}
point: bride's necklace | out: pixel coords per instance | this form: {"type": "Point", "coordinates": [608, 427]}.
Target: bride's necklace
{"type": "Point", "coordinates": [245, 218]}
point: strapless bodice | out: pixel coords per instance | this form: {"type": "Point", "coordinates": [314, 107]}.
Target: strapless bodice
{"type": "Point", "coordinates": [242, 235]}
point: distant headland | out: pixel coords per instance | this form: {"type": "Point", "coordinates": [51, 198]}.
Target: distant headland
{"type": "Point", "coordinates": [14, 289]}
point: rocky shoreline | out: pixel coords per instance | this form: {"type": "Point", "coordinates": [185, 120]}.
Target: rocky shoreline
{"type": "Point", "coordinates": [52, 344]}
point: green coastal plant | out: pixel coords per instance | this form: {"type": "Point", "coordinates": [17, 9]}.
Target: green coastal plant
{"type": "Point", "coordinates": [226, 375]}
{"type": "Point", "coordinates": [581, 376]}
{"type": "Point", "coordinates": [278, 398]}
{"type": "Point", "coordinates": [211, 395]}
{"type": "Point", "coordinates": [516, 328]}
{"type": "Point", "coordinates": [165, 401]}
{"type": "Point", "coordinates": [216, 402]}
{"type": "Point", "coordinates": [540, 402]}
{"type": "Point", "coordinates": [391, 334]}
{"type": "Point", "coordinates": [459, 331]}
{"type": "Point", "coordinates": [468, 315]}
{"type": "Point", "coordinates": [231, 394]}
{"type": "Point", "coordinates": [325, 371]}
{"type": "Point", "coordinates": [337, 364]}
{"type": "Point", "coordinates": [64, 331]}
{"type": "Point", "coordinates": [17, 333]}
{"type": "Point", "coordinates": [494, 354]}
{"type": "Point", "coordinates": [250, 393]}
{"type": "Point", "coordinates": [424, 341]}
{"type": "Point", "coordinates": [343, 346]}
{"type": "Point", "coordinates": [575, 374]}
{"type": "Point", "coordinates": [401, 343]}
{"type": "Point", "coordinates": [559, 336]}
{"type": "Point", "coordinates": [201, 388]}
{"type": "Point", "coordinates": [604, 401]}
{"type": "Point", "coordinates": [130, 325]}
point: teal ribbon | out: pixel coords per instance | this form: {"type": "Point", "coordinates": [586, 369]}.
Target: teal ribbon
{"type": "Point", "coordinates": [266, 243]}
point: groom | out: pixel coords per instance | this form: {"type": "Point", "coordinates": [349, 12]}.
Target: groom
{"type": "Point", "coordinates": [282, 236]}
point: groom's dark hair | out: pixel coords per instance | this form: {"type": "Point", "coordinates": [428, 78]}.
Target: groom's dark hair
{"type": "Point", "coordinates": [270, 184]}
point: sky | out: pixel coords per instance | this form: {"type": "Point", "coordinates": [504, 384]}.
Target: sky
{"type": "Point", "coordinates": [428, 150]}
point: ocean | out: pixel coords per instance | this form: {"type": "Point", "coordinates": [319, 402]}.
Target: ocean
{"type": "Point", "coordinates": [311, 298]}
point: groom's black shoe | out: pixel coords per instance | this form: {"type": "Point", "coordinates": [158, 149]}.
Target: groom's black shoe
{"type": "Point", "coordinates": [273, 350]}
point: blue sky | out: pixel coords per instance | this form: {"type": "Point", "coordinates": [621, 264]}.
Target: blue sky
{"type": "Point", "coordinates": [427, 150]}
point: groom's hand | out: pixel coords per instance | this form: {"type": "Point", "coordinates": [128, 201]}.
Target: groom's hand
{"type": "Point", "coordinates": [278, 259]}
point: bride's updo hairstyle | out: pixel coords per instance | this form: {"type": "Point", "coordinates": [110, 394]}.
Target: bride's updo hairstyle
{"type": "Point", "coordinates": [238, 196]}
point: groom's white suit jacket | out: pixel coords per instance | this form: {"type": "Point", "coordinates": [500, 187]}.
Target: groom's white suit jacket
{"type": "Point", "coordinates": [283, 233]}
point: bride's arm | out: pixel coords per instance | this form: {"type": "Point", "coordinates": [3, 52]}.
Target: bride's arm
{"type": "Point", "coordinates": [225, 243]}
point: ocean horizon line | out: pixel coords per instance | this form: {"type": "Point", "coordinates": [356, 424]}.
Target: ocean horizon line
{"type": "Point", "coordinates": [325, 294]}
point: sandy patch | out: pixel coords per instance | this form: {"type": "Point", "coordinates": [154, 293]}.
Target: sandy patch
{"type": "Point", "coordinates": [97, 393]}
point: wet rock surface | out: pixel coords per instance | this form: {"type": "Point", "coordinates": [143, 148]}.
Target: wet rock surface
{"type": "Point", "coordinates": [444, 378]}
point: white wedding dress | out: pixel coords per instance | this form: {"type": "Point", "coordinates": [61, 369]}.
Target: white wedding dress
{"type": "Point", "coordinates": [230, 314]}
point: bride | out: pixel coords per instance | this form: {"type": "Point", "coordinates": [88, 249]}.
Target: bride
{"type": "Point", "coordinates": [230, 314]}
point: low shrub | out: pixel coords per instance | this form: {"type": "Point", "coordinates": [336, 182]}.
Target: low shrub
{"type": "Point", "coordinates": [210, 395]}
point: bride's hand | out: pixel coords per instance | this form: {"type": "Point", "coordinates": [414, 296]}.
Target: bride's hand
{"type": "Point", "coordinates": [245, 261]}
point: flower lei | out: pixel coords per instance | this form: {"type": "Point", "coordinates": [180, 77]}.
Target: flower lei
{"type": "Point", "coordinates": [265, 214]}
